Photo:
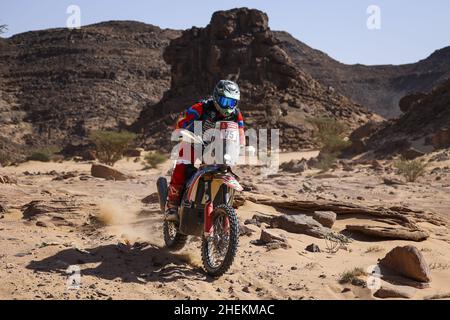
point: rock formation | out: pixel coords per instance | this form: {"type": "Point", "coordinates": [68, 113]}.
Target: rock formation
{"type": "Point", "coordinates": [425, 125]}
{"type": "Point", "coordinates": [56, 85]}
{"type": "Point", "coordinates": [379, 88]}
{"type": "Point", "coordinates": [239, 45]}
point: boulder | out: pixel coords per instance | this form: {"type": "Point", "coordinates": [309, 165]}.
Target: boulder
{"type": "Point", "coordinates": [441, 139]}
{"type": "Point", "coordinates": [407, 261]}
{"type": "Point", "coordinates": [301, 224]}
{"type": "Point", "coordinates": [152, 198]}
{"type": "Point", "coordinates": [411, 153]}
{"type": "Point", "coordinates": [244, 230]}
{"type": "Point", "coordinates": [106, 172]}
{"type": "Point", "coordinates": [325, 218]}
{"type": "Point", "coordinates": [132, 152]}
{"type": "Point", "coordinates": [397, 233]}
{"type": "Point", "coordinates": [271, 236]}
{"type": "Point", "coordinates": [388, 290]}
{"type": "Point", "coordinates": [296, 166]}
{"type": "Point", "coordinates": [313, 248]}
{"type": "Point", "coordinates": [7, 180]}
{"type": "Point", "coordinates": [272, 239]}
{"type": "Point", "coordinates": [2, 208]}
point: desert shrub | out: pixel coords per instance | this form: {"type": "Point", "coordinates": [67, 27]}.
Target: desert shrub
{"type": "Point", "coordinates": [351, 275]}
{"type": "Point", "coordinates": [5, 159]}
{"type": "Point", "coordinates": [410, 169]}
{"type": "Point", "coordinates": [153, 159]}
{"type": "Point", "coordinates": [329, 134]}
{"type": "Point", "coordinates": [325, 161]}
{"type": "Point", "coordinates": [38, 156]}
{"type": "Point", "coordinates": [374, 249]}
{"type": "Point", "coordinates": [43, 155]}
{"type": "Point", "coordinates": [110, 145]}
{"type": "Point", "coordinates": [335, 241]}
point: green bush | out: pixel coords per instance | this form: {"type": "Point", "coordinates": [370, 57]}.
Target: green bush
{"type": "Point", "coordinates": [43, 155]}
{"type": "Point", "coordinates": [39, 156]}
{"type": "Point", "coordinates": [110, 145]}
{"type": "Point", "coordinates": [329, 134]}
{"type": "Point", "coordinates": [5, 159]}
{"type": "Point", "coordinates": [155, 158]}
{"type": "Point", "coordinates": [410, 169]}
{"type": "Point", "coordinates": [326, 161]}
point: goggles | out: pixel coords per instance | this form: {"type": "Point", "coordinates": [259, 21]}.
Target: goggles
{"type": "Point", "coordinates": [227, 103]}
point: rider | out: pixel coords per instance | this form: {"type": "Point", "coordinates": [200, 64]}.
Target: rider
{"type": "Point", "coordinates": [222, 106]}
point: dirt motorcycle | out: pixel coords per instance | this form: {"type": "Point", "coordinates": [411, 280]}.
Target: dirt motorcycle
{"type": "Point", "coordinates": [206, 207]}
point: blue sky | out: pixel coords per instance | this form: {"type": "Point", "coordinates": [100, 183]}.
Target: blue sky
{"type": "Point", "coordinates": [410, 30]}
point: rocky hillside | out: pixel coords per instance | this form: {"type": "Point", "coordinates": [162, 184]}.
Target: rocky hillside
{"type": "Point", "coordinates": [425, 125]}
{"type": "Point", "coordinates": [379, 88]}
{"type": "Point", "coordinates": [239, 45]}
{"type": "Point", "coordinates": [56, 85]}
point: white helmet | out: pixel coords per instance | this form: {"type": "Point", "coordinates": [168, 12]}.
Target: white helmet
{"type": "Point", "coordinates": [226, 97]}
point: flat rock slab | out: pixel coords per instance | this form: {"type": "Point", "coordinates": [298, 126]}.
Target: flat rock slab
{"type": "Point", "coordinates": [272, 239]}
{"type": "Point", "coordinates": [388, 290]}
{"type": "Point", "coordinates": [300, 223]}
{"type": "Point", "coordinates": [38, 207]}
{"type": "Point", "coordinates": [106, 172]}
{"type": "Point", "coordinates": [397, 233]}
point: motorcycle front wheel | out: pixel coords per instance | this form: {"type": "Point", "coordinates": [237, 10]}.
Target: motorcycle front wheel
{"type": "Point", "coordinates": [219, 249]}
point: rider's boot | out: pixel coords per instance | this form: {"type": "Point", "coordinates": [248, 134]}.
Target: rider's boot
{"type": "Point", "coordinates": [174, 194]}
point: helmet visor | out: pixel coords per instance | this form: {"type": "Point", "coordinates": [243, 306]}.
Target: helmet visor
{"type": "Point", "coordinates": [227, 103]}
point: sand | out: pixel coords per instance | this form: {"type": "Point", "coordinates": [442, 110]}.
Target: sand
{"type": "Point", "coordinates": [116, 240]}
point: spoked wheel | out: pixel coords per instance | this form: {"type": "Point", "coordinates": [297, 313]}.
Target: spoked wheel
{"type": "Point", "coordinates": [219, 249]}
{"type": "Point", "coordinates": [172, 237]}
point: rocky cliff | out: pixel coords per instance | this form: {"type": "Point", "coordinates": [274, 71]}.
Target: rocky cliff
{"type": "Point", "coordinates": [378, 88]}
{"type": "Point", "coordinates": [424, 126]}
{"type": "Point", "coordinates": [56, 85]}
{"type": "Point", "coordinates": [276, 93]}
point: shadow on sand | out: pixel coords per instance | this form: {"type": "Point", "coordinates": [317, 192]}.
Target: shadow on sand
{"type": "Point", "coordinates": [138, 264]}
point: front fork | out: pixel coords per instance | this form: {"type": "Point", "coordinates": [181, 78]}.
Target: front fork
{"type": "Point", "coordinates": [208, 224]}
{"type": "Point", "coordinates": [209, 208]}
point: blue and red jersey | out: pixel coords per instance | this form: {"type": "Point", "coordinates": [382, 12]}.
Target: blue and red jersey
{"type": "Point", "coordinates": [206, 112]}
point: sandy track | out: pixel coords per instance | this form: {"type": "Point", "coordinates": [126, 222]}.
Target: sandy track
{"type": "Point", "coordinates": [126, 259]}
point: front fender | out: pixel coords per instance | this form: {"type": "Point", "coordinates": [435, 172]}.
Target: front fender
{"type": "Point", "coordinates": [231, 182]}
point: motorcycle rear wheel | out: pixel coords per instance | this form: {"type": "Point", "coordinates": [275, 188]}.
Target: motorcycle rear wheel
{"type": "Point", "coordinates": [173, 239]}
{"type": "Point", "coordinates": [209, 245]}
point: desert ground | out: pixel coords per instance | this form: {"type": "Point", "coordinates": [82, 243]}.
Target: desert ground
{"type": "Point", "coordinates": [57, 216]}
